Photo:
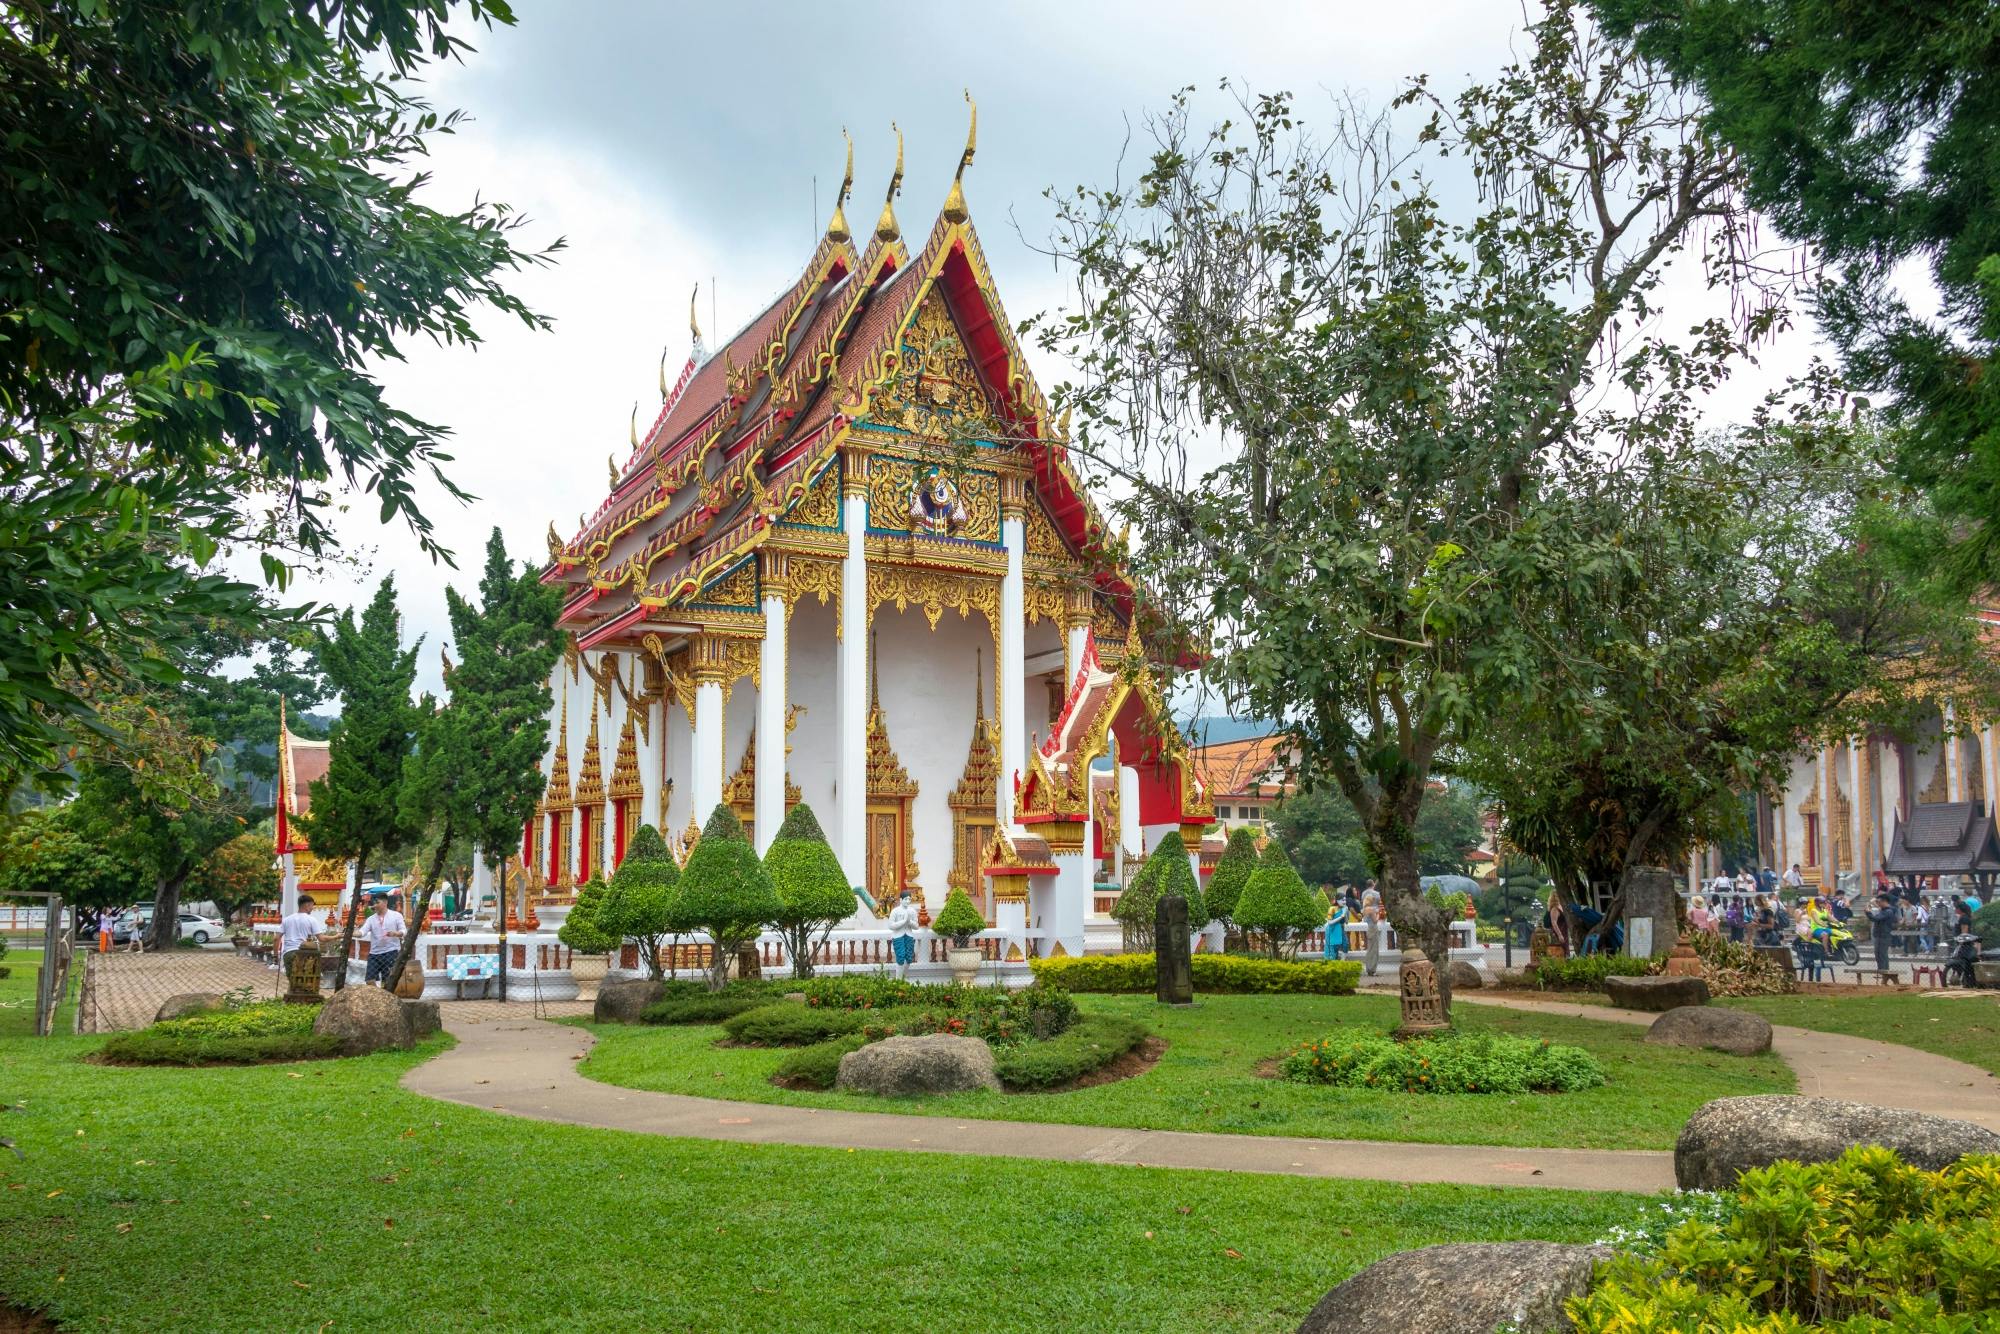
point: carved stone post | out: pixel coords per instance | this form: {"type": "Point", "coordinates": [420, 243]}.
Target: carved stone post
{"type": "Point", "coordinates": [1173, 972]}
{"type": "Point", "coordinates": [1423, 1006]}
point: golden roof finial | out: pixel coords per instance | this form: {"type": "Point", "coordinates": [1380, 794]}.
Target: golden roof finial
{"type": "Point", "coordinates": [611, 462]}
{"type": "Point", "coordinates": [886, 228]}
{"type": "Point", "coordinates": [694, 328]}
{"type": "Point", "coordinates": [836, 226]}
{"type": "Point", "coordinates": [633, 429]}
{"type": "Point", "coordinates": [555, 542]}
{"type": "Point", "coordinates": [954, 203]}
{"type": "Point", "coordinates": [663, 374]}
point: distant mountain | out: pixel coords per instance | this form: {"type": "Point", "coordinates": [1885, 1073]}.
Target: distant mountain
{"type": "Point", "coordinates": [1210, 729]}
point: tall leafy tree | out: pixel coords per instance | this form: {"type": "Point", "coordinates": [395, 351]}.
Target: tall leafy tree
{"type": "Point", "coordinates": [53, 851]}
{"type": "Point", "coordinates": [357, 807]}
{"type": "Point", "coordinates": [476, 771]}
{"type": "Point", "coordinates": [236, 875]}
{"type": "Point", "coordinates": [216, 230]}
{"type": "Point", "coordinates": [1868, 130]}
{"type": "Point", "coordinates": [1401, 388]}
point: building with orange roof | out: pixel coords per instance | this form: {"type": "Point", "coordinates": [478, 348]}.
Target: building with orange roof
{"type": "Point", "coordinates": [1246, 779]}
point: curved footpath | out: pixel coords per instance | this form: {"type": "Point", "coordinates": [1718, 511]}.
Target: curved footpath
{"type": "Point", "coordinates": [527, 1067]}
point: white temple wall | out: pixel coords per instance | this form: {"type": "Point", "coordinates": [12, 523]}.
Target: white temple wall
{"type": "Point", "coordinates": [927, 699]}
{"type": "Point", "coordinates": [739, 721]}
{"type": "Point", "coordinates": [810, 681]}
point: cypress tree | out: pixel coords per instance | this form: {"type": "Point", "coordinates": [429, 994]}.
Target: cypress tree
{"type": "Point", "coordinates": [640, 901]}
{"type": "Point", "coordinates": [813, 893]}
{"type": "Point", "coordinates": [357, 807]}
{"type": "Point", "coordinates": [725, 891]}
{"type": "Point", "coordinates": [1277, 903]}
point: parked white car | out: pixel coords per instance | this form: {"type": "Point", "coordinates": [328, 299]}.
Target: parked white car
{"type": "Point", "coordinates": [193, 926]}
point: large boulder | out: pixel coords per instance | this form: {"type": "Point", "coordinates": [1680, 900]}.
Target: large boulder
{"type": "Point", "coordinates": [1473, 1288]}
{"type": "Point", "coordinates": [622, 1002]}
{"type": "Point", "coordinates": [909, 1067]}
{"type": "Point", "coordinates": [1730, 1136]}
{"type": "Point", "coordinates": [422, 1016]}
{"type": "Point", "coordinates": [184, 1003]}
{"type": "Point", "coordinates": [365, 1019]}
{"type": "Point", "coordinates": [1737, 1032]}
{"type": "Point", "coordinates": [1661, 992]}
{"type": "Point", "coordinates": [1464, 977]}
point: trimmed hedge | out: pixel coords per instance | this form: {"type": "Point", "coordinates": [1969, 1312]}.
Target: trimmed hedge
{"type": "Point", "coordinates": [1213, 973]}
{"type": "Point", "coordinates": [1453, 1063]}
{"type": "Point", "coordinates": [789, 1024]}
{"type": "Point", "coordinates": [704, 1009]}
{"type": "Point", "coordinates": [818, 1066]}
{"type": "Point", "coordinates": [1093, 1043]}
{"type": "Point", "coordinates": [150, 1047]}
{"type": "Point", "coordinates": [1586, 972]}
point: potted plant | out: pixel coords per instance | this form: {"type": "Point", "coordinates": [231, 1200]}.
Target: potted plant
{"type": "Point", "coordinates": [960, 921]}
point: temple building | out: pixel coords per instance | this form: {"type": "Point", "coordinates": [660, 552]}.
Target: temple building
{"type": "Point", "coordinates": [301, 763]}
{"type": "Point", "coordinates": [849, 563]}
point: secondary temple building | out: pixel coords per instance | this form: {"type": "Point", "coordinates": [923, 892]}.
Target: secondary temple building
{"type": "Point", "coordinates": [849, 563]}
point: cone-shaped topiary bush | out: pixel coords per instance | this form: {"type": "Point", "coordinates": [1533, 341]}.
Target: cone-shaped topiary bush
{"type": "Point", "coordinates": [1232, 873]}
{"type": "Point", "coordinates": [1136, 906]}
{"type": "Point", "coordinates": [1166, 872]}
{"type": "Point", "coordinates": [959, 918]}
{"type": "Point", "coordinates": [725, 891]}
{"type": "Point", "coordinates": [580, 930]}
{"type": "Point", "coordinates": [1277, 904]}
{"type": "Point", "coordinates": [813, 893]}
{"type": "Point", "coordinates": [640, 900]}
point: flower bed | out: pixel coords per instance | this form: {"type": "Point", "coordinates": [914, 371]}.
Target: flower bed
{"type": "Point", "coordinates": [1452, 1063]}
{"type": "Point", "coordinates": [1863, 1243]}
{"type": "Point", "coordinates": [1213, 973]}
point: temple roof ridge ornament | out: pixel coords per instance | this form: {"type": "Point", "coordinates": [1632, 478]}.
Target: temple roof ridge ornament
{"type": "Point", "coordinates": [886, 227]}
{"type": "Point", "coordinates": [836, 226]}
{"type": "Point", "coordinates": [954, 203]}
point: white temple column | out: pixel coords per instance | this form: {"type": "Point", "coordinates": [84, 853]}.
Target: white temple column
{"type": "Point", "coordinates": [851, 788]}
{"type": "Point", "coordinates": [1013, 658]}
{"type": "Point", "coordinates": [288, 885]}
{"type": "Point", "coordinates": [482, 879]}
{"type": "Point", "coordinates": [1073, 642]}
{"type": "Point", "coordinates": [1954, 757]}
{"type": "Point", "coordinates": [1059, 913]}
{"type": "Point", "coordinates": [1827, 807]}
{"type": "Point", "coordinates": [1992, 774]}
{"type": "Point", "coordinates": [652, 786]}
{"type": "Point", "coordinates": [705, 766]}
{"type": "Point", "coordinates": [770, 794]}
{"type": "Point", "coordinates": [1128, 814]}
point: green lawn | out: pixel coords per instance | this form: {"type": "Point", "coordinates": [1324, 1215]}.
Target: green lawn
{"type": "Point", "coordinates": [1207, 1080]}
{"type": "Point", "coordinates": [17, 992]}
{"type": "Point", "coordinates": [1966, 1028]}
{"type": "Point", "coordinates": [281, 1197]}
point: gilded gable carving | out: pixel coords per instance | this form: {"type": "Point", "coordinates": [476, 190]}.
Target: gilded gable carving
{"type": "Point", "coordinates": [936, 393]}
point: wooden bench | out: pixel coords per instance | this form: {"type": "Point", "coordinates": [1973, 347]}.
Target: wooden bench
{"type": "Point", "coordinates": [1884, 978]}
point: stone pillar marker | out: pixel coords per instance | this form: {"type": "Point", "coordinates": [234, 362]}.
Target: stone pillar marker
{"type": "Point", "coordinates": [1172, 968]}
{"type": "Point", "coordinates": [1423, 1005]}
{"type": "Point", "coordinates": [1649, 899]}
{"type": "Point", "coordinates": [302, 974]}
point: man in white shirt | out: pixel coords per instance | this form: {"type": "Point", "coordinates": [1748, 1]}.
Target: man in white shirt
{"type": "Point", "coordinates": [384, 933]}
{"type": "Point", "coordinates": [296, 930]}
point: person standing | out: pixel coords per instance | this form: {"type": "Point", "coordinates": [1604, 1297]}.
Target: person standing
{"type": "Point", "coordinates": [902, 933]}
{"type": "Point", "coordinates": [1371, 930]}
{"type": "Point", "coordinates": [295, 930]}
{"type": "Point", "coordinates": [1881, 921]}
{"type": "Point", "coordinates": [1794, 878]}
{"type": "Point", "coordinates": [1335, 946]}
{"type": "Point", "coordinates": [384, 933]}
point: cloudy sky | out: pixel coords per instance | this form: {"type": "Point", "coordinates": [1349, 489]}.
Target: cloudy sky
{"type": "Point", "coordinates": [672, 146]}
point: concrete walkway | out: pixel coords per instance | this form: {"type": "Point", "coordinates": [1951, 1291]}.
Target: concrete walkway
{"type": "Point", "coordinates": [1832, 1065]}
{"type": "Point", "coordinates": [526, 1067]}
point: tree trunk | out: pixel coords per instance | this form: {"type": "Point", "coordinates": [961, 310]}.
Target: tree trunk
{"type": "Point", "coordinates": [165, 930]}
{"type": "Point", "coordinates": [353, 914]}
{"type": "Point", "coordinates": [419, 911]}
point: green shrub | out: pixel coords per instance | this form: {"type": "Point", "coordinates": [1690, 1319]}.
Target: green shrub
{"type": "Point", "coordinates": [817, 1066]}
{"type": "Point", "coordinates": [1232, 873]}
{"type": "Point", "coordinates": [789, 1024]}
{"type": "Point", "coordinates": [1862, 1243]}
{"type": "Point", "coordinates": [580, 930]}
{"type": "Point", "coordinates": [258, 1020]}
{"type": "Point", "coordinates": [813, 893]}
{"type": "Point", "coordinates": [1033, 1013]}
{"type": "Point", "coordinates": [1449, 1063]}
{"type": "Point", "coordinates": [1586, 972]}
{"type": "Point", "coordinates": [151, 1047]}
{"type": "Point", "coordinates": [642, 897]}
{"type": "Point", "coordinates": [958, 919]}
{"type": "Point", "coordinates": [864, 991]}
{"type": "Point", "coordinates": [1987, 923]}
{"type": "Point", "coordinates": [1092, 1044]}
{"type": "Point", "coordinates": [707, 1008]}
{"type": "Point", "coordinates": [1277, 905]}
{"type": "Point", "coordinates": [1216, 974]}
{"type": "Point", "coordinates": [725, 891]}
